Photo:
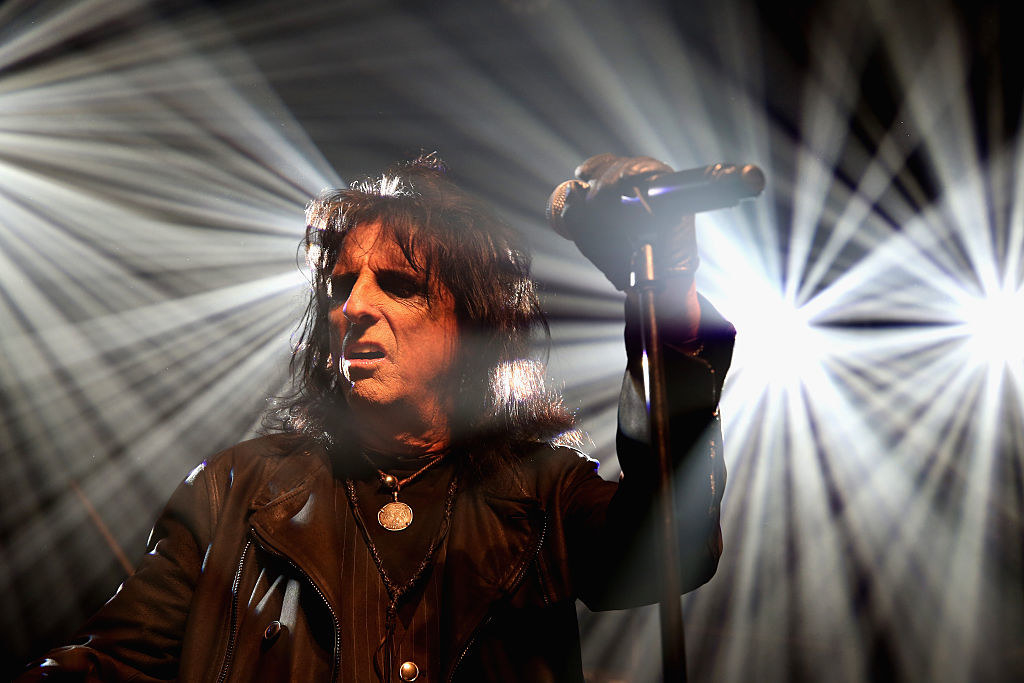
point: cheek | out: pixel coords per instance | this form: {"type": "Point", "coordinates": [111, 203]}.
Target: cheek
{"type": "Point", "coordinates": [336, 329]}
{"type": "Point", "coordinates": [432, 348]}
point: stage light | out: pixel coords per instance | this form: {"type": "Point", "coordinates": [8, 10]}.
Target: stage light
{"type": "Point", "coordinates": [777, 342]}
{"type": "Point", "coordinates": [151, 206]}
{"type": "Point", "coordinates": [995, 327]}
{"type": "Point", "coordinates": [149, 218]}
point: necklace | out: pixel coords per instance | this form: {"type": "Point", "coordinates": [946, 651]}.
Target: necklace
{"type": "Point", "coordinates": [396, 515]}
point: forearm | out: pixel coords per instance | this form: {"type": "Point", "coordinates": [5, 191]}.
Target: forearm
{"type": "Point", "coordinates": [694, 369]}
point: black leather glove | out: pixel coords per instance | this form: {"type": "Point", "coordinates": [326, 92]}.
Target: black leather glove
{"type": "Point", "coordinates": [606, 231]}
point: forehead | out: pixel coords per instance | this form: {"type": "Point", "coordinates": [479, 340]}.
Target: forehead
{"type": "Point", "coordinates": [370, 244]}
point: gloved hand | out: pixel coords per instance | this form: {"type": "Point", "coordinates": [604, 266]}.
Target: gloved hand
{"type": "Point", "coordinates": [606, 231]}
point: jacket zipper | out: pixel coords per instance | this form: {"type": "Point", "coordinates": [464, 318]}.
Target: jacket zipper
{"type": "Point", "coordinates": [336, 664]}
{"type": "Point", "coordinates": [229, 654]}
{"type": "Point", "coordinates": [511, 589]}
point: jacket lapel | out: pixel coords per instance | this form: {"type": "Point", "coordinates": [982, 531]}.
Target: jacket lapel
{"type": "Point", "coordinates": [294, 517]}
{"type": "Point", "coordinates": [492, 542]}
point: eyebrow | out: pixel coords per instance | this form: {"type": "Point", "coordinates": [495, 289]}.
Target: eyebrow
{"type": "Point", "coordinates": [405, 272]}
{"type": "Point", "coordinates": [378, 257]}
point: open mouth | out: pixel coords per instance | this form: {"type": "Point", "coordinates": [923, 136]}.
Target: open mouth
{"type": "Point", "coordinates": [364, 355]}
{"type": "Point", "coordinates": [360, 362]}
{"type": "Point", "coordinates": [356, 351]}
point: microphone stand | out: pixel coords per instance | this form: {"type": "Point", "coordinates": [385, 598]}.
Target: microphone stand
{"type": "Point", "coordinates": [722, 186]}
{"type": "Point", "coordinates": [673, 643]}
{"type": "Point", "coordinates": [715, 187]}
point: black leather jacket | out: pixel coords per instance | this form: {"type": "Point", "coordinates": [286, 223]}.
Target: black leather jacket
{"type": "Point", "coordinates": [519, 554]}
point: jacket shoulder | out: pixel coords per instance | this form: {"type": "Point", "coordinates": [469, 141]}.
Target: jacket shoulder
{"type": "Point", "coordinates": [262, 466]}
{"type": "Point", "coordinates": [547, 466]}
{"type": "Point", "coordinates": [259, 452]}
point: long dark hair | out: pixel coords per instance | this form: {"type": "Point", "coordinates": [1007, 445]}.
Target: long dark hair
{"type": "Point", "coordinates": [459, 243]}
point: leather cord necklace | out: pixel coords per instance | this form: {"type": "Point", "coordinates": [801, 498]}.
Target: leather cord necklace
{"type": "Point", "coordinates": [396, 515]}
{"type": "Point", "coordinates": [395, 591]}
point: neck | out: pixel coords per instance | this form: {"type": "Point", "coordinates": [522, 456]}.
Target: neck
{"type": "Point", "coordinates": [396, 433]}
{"type": "Point", "coordinates": [402, 444]}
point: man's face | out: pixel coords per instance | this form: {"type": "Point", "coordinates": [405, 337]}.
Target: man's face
{"type": "Point", "coordinates": [395, 336]}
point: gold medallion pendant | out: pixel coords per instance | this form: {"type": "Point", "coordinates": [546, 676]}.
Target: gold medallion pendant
{"type": "Point", "coordinates": [395, 516]}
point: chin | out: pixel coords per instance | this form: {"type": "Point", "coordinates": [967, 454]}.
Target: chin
{"type": "Point", "coordinates": [360, 396]}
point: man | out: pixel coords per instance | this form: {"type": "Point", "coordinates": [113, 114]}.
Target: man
{"type": "Point", "coordinates": [414, 516]}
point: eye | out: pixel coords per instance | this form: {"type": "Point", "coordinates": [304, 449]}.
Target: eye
{"type": "Point", "coordinates": [339, 287]}
{"type": "Point", "coordinates": [401, 285]}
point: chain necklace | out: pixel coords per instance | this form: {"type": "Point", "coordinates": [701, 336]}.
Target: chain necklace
{"type": "Point", "coordinates": [396, 515]}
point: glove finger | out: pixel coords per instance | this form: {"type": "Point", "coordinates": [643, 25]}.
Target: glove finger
{"type": "Point", "coordinates": [631, 169]}
{"type": "Point", "coordinates": [611, 179]}
{"type": "Point", "coordinates": [619, 175]}
{"type": "Point", "coordinates": [594, 166]}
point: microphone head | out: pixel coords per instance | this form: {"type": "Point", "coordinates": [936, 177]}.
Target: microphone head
{"type": "Point", "coordinates": [753, 177]}
{"type": "Point", "coordinates": [556, 205]}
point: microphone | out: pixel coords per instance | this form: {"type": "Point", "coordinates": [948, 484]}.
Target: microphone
{"type": "Point", "coordinates": [694, 190]}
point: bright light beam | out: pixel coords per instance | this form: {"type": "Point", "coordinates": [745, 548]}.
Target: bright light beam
{"type": "Point", "coordinates": [149, 217]}
{"type": "Point", "coordinates": [995, 327]}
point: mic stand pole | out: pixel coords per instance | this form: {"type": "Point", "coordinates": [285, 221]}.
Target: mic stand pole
{"type": "Point", "coordinates": [673, 644]}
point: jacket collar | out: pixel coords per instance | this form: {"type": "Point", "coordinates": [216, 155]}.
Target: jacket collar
{"type": "Point", "coordinates": [294, 516]}
{"type": "Point", "coordinates": [494, 536]}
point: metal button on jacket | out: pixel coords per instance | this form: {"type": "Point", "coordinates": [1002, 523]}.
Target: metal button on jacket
{"type": "Point", "coordinates": [409, 671]}
{"type": "Point", "coordinates": [272, 632]}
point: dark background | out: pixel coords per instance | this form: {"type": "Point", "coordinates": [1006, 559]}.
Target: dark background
{"type": "Point", "coordinates": [832, 571]}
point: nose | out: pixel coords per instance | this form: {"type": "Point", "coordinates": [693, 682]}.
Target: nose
{"type": "Point", "coordinates": [359, 307]}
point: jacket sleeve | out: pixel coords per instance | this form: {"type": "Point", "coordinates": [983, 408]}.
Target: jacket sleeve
{"type": "Point", "coordinates": [137, 634]}
{"type": "Point", "coordinates": [626, 531]}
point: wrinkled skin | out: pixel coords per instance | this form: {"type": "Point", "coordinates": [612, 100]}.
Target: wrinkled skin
{"type": "Point", "coordinates": [395, 338]}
